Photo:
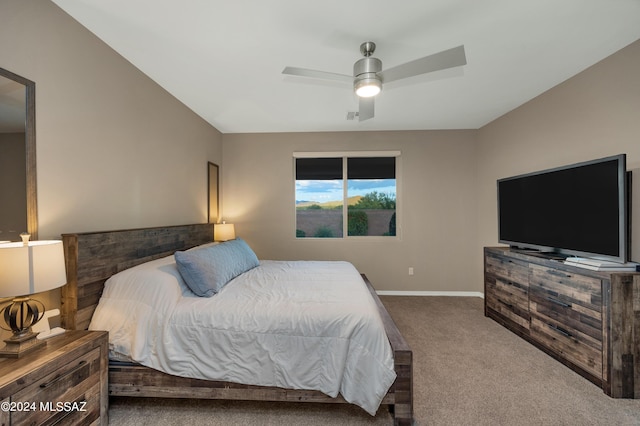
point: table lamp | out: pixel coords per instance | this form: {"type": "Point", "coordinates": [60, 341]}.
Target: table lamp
{"type": "Point", "coordinates": [224, 231]}
{"type": "Point", "coordinates": [26, 268]}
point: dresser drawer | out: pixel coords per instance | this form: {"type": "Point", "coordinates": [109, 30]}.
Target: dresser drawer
{"type": "Point", "coordinates": [509, 269]}
{"type": "Point", "coordinates": [568, 287]}
{"type": "Point", "coordinates": [566, 316]}
{"type": "Point", "coordinates": [508, 298]}
{"type": "Point", "coordinates": [71, 394]}
{"type": "Point", "coordinates": [571, 345]}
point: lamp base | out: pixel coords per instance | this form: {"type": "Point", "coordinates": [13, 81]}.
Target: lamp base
{"type": "Point", "coordinates": [17, 346]}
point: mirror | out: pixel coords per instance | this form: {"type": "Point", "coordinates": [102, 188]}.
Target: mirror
{"type": "Point", "coordinates": [18, 196]}
{"type": "Point", "coordinates": [213, 197]}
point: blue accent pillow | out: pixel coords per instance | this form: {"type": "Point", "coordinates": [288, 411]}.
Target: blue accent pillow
{"type": "Point", "coordinates": [208, 269]}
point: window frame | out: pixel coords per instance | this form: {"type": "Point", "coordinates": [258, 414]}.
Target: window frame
{"type": "Point", "coordinates": [345, 155]}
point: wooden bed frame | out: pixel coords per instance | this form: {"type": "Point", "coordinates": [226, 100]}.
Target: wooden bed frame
{"type": "Point", "coordinates": [91, 258]}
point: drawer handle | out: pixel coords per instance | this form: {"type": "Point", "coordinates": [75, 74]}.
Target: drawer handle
{"type": "Point", "coordinates": [57, 379]}
{"type": "Point", "coordinates": [560, 330]}
{"type": "Point", "coordinates": [558, 273]}
{"type": "Point", "coordinates": [558, 302]}
{"type": "Point", "coordinates": [508, 305]}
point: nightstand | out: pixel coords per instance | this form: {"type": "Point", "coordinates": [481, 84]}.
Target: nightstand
{"type": "Point", "coordinates": [64, 382]}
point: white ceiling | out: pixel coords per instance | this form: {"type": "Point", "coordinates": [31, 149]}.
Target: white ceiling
{"type": "Point", "coordinates": [224, 59]}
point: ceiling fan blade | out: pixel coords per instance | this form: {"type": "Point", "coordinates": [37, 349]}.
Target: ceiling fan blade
{"type": "Point", "coordinates": [366, 108]}
{"type": "Point", "coordinates": [450, 58]}
{"type": "Point", "coordinates": [303, 72]}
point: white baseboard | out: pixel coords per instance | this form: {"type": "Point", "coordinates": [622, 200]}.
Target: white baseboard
{"type": "Point", "coordinates": [431, 293]}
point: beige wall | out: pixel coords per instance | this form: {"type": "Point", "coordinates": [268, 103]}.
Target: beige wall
{"type": "Point", "coordinates": [594, 114]}
{"type": "Point", "coordinates": [435, 212]}
{"type": "Point", "coordinates": [114, 150]}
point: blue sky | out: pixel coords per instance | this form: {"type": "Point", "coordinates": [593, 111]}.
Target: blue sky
{"type": "Point", "coordinates": [331, 190]}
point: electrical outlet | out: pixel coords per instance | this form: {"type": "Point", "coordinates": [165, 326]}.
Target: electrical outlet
{"type": "Point", "coordinates": [410, 270]}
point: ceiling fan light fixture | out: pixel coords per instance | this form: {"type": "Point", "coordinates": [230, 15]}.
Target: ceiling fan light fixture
{"type": "Point", "coordinates": [367, 83]}
{"type": "Point", "coordinates": [368, 87]}
{"type": "Point", "coordinates": [368, 75]}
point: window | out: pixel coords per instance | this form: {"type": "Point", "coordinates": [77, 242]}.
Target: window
{"type": "Point", "coordinates": [348, 194]}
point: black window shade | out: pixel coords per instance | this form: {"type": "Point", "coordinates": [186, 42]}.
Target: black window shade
{"type": "Point", "coordinates": [371, 168]}
{"type": "Point", "coordinates": [318, 168]}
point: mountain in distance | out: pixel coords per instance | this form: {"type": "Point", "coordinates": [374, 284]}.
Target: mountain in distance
{"type": "Point", "coordinates": [329, 204]}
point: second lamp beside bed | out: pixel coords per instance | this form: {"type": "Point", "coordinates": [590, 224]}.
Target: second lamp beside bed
{"type": "Point", "coordinates": [224, 231]}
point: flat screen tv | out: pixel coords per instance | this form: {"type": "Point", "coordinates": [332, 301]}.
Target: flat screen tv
{"type": "Point", "coordinates": [579, 209]}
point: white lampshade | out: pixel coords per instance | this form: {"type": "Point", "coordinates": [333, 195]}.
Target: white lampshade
{"type": "Point", "coordinates": [33, 268]}
{"type": "Point", "coordinates": [224, 232]}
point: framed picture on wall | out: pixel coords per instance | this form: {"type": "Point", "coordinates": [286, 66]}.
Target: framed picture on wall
{"type": "Point", "coordinates": [213, 209]}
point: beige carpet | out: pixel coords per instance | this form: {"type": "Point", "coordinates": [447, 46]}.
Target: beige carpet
{"type": "Point", "coordinates": [468, 370]}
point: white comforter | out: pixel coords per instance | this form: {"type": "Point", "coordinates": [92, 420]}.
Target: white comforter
{"type": "Point", "coordinates": [299, 325]}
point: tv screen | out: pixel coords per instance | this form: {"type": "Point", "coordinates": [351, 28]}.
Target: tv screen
{"type": "Point", "coordinates": [580, 209]}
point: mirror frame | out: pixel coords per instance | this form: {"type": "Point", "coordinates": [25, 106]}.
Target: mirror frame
{"type": "Point", "coordinates": [213, 197]}
{"type": "Point", "coordinates": [30, 150]}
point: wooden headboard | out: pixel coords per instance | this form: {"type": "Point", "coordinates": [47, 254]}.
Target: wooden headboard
{"type": "Point", "coordinates": [92, 257]}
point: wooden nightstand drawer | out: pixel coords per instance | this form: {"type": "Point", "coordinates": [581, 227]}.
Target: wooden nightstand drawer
{"type": "Point", "coordinates": [4, 415]}
{"type": "Point", "coordinates": [69, 392]}
{"type": "Point", "coordinates": [65, 382]}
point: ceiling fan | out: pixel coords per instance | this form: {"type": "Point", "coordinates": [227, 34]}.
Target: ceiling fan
{"type": "Point", "coordinates": [368, 76]}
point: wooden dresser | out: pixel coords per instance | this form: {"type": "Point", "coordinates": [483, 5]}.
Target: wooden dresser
{"type": "Point", "coordinates": [588, 320]}
{"type": "Point", "coordinates": [64, 382]}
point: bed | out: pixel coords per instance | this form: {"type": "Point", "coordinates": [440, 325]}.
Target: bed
{"type": "Point", "coordinates": [94, 257]}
